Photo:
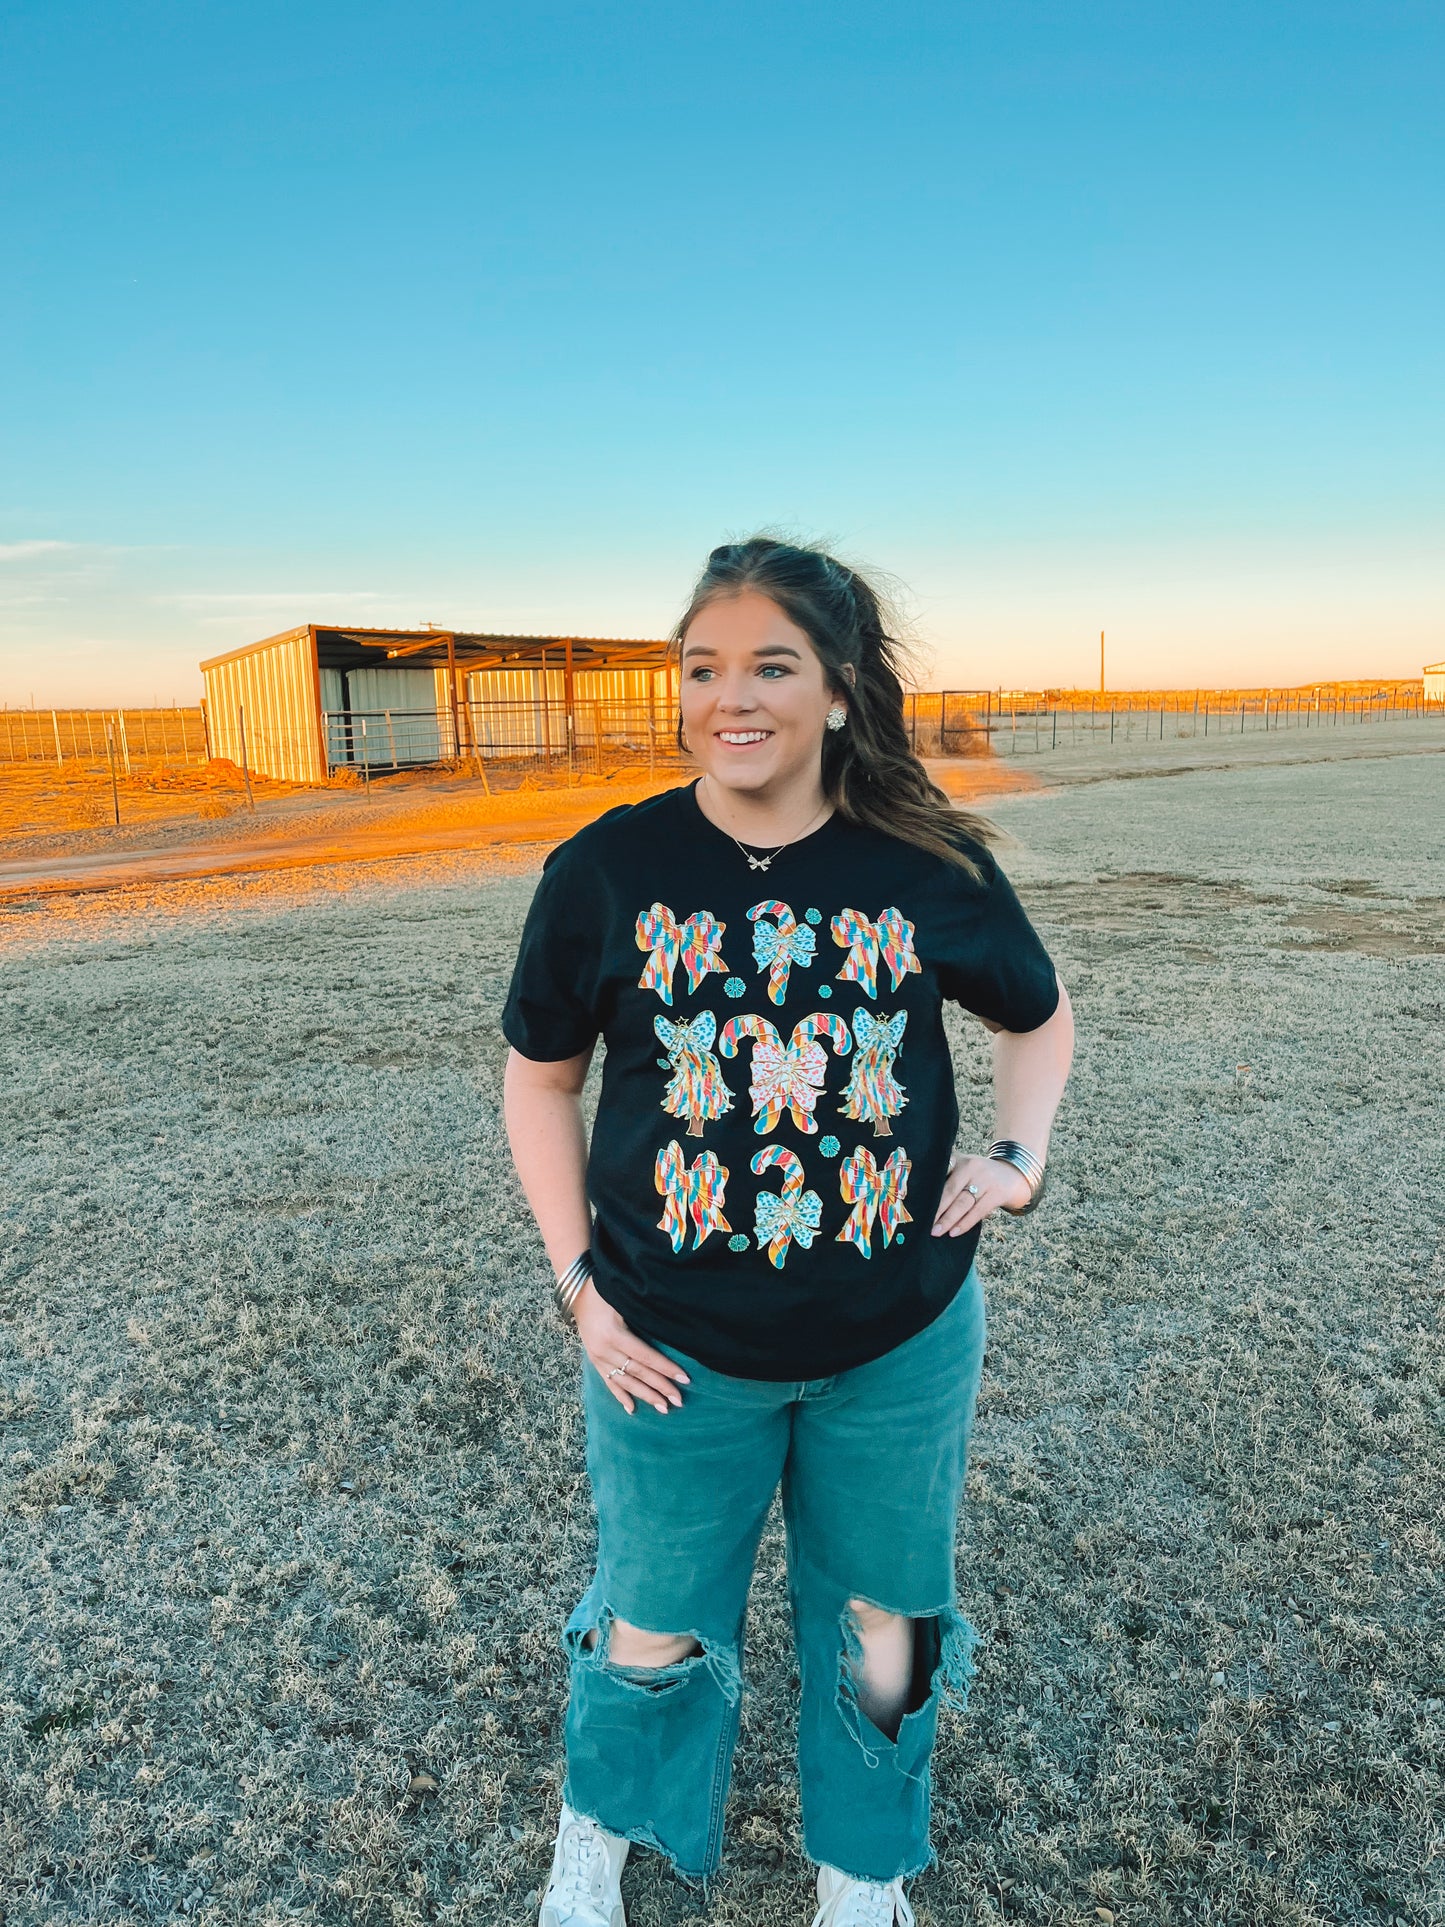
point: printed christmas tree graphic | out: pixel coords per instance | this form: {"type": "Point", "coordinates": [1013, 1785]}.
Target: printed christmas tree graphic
{"type": "Point", "coordinates": [694, 1194]}
{"type": "Point", "coordinates": [786, 1077]}
{"type": "Point", "coordinates": [695, 1090]}
{"type": "Point", "coordinates": [874, 1094]}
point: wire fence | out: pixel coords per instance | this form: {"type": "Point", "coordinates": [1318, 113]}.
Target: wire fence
{"type": "Point", "coordinates": [1015, 722]}
{"type": "Point", "coordinates": [507, 742]}
{"type": "Point", "coordinates": [135, 736]}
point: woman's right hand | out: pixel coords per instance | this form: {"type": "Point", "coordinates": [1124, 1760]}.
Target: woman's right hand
{"type": "Point", "coordinates": [607, 1341]}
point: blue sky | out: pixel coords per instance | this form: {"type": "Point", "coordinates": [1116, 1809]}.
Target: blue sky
{"type": "Point", "coordinates": [1121, 316]}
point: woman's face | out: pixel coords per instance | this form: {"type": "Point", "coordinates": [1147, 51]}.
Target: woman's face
{"type": "Point", "coordinates": [754, 696]}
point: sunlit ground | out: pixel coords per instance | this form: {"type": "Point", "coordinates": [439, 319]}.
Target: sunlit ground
{"type": "Point", "coordinates": [291, 1485]}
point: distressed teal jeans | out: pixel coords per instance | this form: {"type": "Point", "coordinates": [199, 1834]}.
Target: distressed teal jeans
{"type": "Point", "coordinates": [871, 1463]}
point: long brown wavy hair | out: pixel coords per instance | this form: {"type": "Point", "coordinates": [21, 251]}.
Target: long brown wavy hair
{"type": "Point", "coordinates": [870, 772]}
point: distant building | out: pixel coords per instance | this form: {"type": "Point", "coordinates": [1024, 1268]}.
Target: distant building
{"type": "Point", "coordinates": [304, 704]}
{"type": "Point", "coordinates": [1435, 682]}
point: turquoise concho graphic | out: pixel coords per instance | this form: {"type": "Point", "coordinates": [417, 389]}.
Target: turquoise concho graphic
{"type": "Point", "coordinates": [735, 987]}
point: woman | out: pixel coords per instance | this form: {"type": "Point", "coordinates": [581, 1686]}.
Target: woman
{"type": "Point", "coordinates": [779, 1284]}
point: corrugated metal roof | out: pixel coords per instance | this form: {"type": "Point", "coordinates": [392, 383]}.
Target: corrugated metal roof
{"type": "Point", "coordinates": [474, 648]}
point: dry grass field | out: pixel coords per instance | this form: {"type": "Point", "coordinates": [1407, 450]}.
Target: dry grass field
{"type": "Point", "coordinates": [291, 1490]}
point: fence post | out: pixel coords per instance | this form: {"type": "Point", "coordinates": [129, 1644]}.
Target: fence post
{"type": "Point", "coordinates": [55, 725]}
{"type": "Point", "coordinates": [124, 741]}
{"type": "Point", "coordinates": [1055, 743]}
{"type": "Point", "coordinates": [114, 789]}
{"type": "Point", "coordinates": [391, 736]}
{"type": "Point", "coordinates": [366, 759]}
{"type": "Point", "coordinates": [1111, 724]}
{"type": "Point", "coordinates": [245, 760]}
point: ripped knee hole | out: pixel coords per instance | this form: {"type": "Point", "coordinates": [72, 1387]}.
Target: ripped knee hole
{"type": "Point", "coordinates": [629, 1645]}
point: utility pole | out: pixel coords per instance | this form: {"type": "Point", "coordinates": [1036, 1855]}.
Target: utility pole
{"type": "Point", "coordinates": [1101, 662]}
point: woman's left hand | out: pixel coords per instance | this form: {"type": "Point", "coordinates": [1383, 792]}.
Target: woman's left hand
{"type": "Point", "coordinates": [999, 1186]}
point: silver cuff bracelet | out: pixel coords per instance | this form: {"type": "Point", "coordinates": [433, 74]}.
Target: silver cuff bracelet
{"type": "Point", "coordinates": [1008, 1150]}
{"type": "Point", "coordinates": [568, 1287]}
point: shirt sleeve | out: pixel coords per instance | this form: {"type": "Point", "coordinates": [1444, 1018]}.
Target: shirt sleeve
{"type": "Point", "coordinates": [551, 1010]}
{"type": "Point", "coordinates": [991, 959]}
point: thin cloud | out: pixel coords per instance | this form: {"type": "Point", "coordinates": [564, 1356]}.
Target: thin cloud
{"type": "Point", "coordinates": [27, 551]}
{"type": "Point", "coordinates": [270, 599]}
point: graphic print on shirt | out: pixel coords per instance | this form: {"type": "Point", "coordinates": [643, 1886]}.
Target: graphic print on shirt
{"type": "Point", "coordinates": [874, 1093]}
{"type": "Point", "coordinates": [778, 945]}
{"type": "Point", "coordinates": [889, 939]}
{"type": "Point", "coordinates": [696, 1089]}
{"type": "Point", "coordinates": [786, 1077]}
{"type": "Point", "coordinates": [696, 944]}
{"type": "Point", "coordinates": [874, 1193]}
{"type": "Point", "coordinates": [694, 1194]}
{"type": "Point", "coordinates": [780, 1217]}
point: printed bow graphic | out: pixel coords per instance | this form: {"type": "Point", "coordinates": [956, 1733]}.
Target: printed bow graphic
{"type": "Point", "coordinates": [778, 945]}
{"type": "Point", "coordinates": [786, 1077]}
{"type": "Point", "coordinates": [694, 1194]}
{"type": "Point", "coordinates": [696, 944]}
{"type": "Point", "coordinates": [891, 938]}
{"type": "Point", "coordinates": [696, 1089]}
{"type": "Point", "coordinates": [873, 1194]}
{"type": "Point", "coordinates": [795, 1213]}
{"type": "Point", "coordinates": [873, 1093]}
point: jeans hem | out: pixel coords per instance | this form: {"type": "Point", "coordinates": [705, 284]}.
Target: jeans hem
{"type": "Point", "coordinates": [882, 1879]}
{"type": "Point", "coordinates": [646, 1837]}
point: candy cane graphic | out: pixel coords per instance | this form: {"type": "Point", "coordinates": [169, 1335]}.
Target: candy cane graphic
{"type": "Point", "coordinates": [795, 1213]}
{"type": "Point", "coordinates": [891, 937]}
{"type": "Point", "coordinates": [694, 1194]}
{"type": "Point", "coordinates": [696, 944]}
{"type": "Point", "coordinates": [696, 1089]}
{"type": "Point", "coordinates": [778, 945]}
{"type": "Point", "coordinates": [873, 1194]}
{"type": "Point", "coordinates": [873, 1093]}
{"type": "Point", "coordinates": [786, 1077]}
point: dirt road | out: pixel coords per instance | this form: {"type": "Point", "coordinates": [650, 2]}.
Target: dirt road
{"type": "Point", "coordinates": [434, 813]}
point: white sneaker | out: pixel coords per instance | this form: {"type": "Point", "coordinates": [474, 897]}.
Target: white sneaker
{"type": "Point", "coordinates": [846, 1902]}
{"type": "Point", "coordinates": [583, 1890]}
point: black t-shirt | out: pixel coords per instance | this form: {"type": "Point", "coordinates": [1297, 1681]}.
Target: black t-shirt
{"type": "Point", "coordinates": [777, 1107]}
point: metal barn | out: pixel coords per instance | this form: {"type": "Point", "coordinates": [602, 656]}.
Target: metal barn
{"type": "Point", "coordinates": [1435, 682]}
{"type": "Point", "coordinates": [313, 700]}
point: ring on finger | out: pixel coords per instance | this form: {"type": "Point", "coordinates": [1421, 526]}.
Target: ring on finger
{"type": "Point", "coordinates": [619, 1370]}
{"type": "Point", "coordinates": [972, 1189]}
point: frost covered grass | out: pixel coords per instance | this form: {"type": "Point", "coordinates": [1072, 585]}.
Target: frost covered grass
{"type": "Point", "coordinates": [291, 1490]}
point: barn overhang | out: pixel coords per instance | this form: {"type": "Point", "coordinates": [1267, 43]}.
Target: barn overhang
{"type": "Point", "coordinates": [299, 703]}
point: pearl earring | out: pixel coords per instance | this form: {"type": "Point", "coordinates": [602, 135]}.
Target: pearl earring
{"type": "Point", "coordinates": [837, 716]}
